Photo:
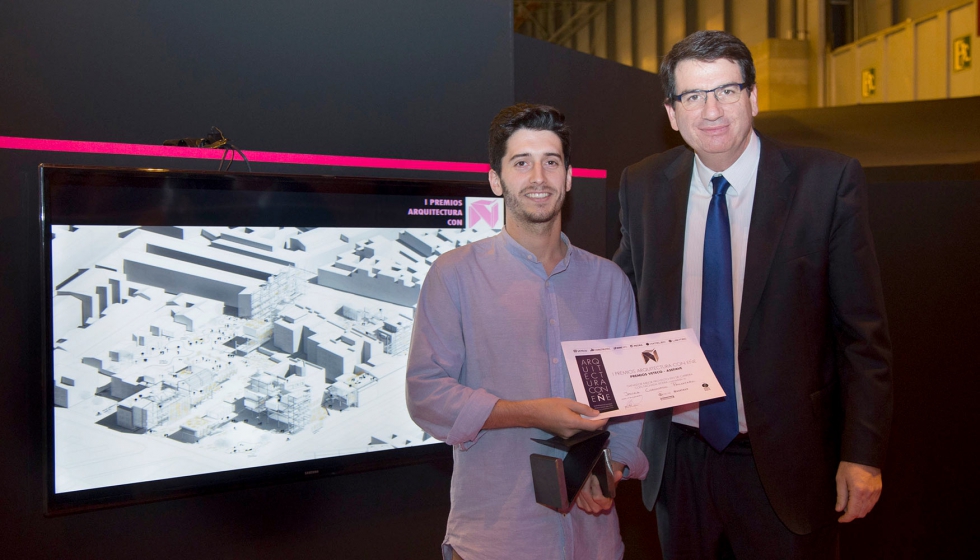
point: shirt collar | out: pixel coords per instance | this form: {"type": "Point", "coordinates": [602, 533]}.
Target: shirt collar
{"type": "Point", "coordinates": [518, 250]}
{"type": "Point", "coordinates": [739, 174]}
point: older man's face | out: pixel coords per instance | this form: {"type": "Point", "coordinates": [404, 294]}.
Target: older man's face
{"type": "Point", "coordinates": [717, 132]}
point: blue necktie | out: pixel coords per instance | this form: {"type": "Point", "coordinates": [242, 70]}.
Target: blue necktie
{"type": "Point", "coordinates": [718, 417]}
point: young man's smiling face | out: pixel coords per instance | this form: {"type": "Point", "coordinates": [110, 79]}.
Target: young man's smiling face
{"type": "Point", "coordinates": [533, 178]}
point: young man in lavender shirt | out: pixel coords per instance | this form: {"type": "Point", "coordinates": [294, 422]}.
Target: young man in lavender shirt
{"type": "Point", "coordinates": [485, 369]}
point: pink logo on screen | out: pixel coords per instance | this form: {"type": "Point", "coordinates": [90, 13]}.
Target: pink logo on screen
{"type": "Point", "coordinates": [486, 210]}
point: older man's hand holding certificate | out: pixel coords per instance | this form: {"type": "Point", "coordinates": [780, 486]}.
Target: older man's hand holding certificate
{"type": "Point", "coordinates": [620, 376]}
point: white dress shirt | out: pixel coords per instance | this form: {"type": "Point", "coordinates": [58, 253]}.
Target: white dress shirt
{"type": "Point", "coordinates": [739, 197]}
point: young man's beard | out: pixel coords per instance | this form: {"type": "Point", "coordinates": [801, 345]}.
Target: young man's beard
{"type": "Point", "coordinates": [516, 211]}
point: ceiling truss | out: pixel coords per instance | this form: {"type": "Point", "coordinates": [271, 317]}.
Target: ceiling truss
{"type": "Point", "coordinates": [555, 21]}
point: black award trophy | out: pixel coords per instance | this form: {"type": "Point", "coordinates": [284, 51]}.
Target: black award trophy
{"type": "Point", "coordinates": [558, 481]}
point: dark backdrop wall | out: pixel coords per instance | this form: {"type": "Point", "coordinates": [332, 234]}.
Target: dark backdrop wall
{"type": "Point", "coordinates": [368, 78]}
{"type": "Point", "coordinates": [924, 220]}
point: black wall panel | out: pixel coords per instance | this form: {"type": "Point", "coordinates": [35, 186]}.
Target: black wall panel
{"type": "Point", "coordinates": [924, 220]}
{"type": "Point", "coordinates": [367, 78]}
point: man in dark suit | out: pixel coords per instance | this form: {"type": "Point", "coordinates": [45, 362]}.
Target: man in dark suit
{"type": "Point", "coordinates": [765, 251]}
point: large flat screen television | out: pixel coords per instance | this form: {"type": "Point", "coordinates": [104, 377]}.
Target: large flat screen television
{"type": "Point", "coordinates": [208, 330]}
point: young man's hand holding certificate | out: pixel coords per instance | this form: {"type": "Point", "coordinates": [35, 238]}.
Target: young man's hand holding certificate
{"type": "Point", "coordinates": [620, 376]}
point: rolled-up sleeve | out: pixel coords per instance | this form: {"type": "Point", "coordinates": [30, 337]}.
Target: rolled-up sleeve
{"type": "Point", "coordinates": [437, 401]}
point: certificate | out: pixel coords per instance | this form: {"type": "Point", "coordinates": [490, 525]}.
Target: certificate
{"type": "Point", "coordinates": [620, 376]}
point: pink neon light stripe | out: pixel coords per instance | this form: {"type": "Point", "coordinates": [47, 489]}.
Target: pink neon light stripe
{"type": "Point", "coordinates": [75, 146]}
{"type": "Point", "coordinates": [587, 173]}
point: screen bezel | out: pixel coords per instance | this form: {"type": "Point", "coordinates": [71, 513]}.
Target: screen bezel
{"type": "Point", "coordinates": [242, 191]}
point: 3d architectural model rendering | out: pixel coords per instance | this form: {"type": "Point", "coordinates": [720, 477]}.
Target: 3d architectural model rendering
{"type": "Point", "coordinates": [188, 350]}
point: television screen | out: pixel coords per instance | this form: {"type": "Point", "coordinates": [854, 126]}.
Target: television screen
{"type": "Point", "coordinates": [210, 329]}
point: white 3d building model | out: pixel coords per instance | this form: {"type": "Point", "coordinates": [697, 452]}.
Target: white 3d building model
{"type": "Point", "coordinates": [226, 338]}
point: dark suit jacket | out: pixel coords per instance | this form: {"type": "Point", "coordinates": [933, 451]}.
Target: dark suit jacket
{"type": "Point", "coordinates": [813, 347]}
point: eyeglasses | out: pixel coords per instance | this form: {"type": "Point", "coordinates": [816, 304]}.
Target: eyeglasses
{"type": "Point", "coordinates": [695, 99]}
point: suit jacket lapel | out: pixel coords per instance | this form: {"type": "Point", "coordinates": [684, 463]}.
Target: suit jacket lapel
{"type": "Point", "coordinates": [671, 205]}
{"type": "Point", "coordinates": [773, 195]}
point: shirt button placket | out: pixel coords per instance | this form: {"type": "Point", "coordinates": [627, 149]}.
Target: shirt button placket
{"type": "Point", "coordinates": [554, 341]}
